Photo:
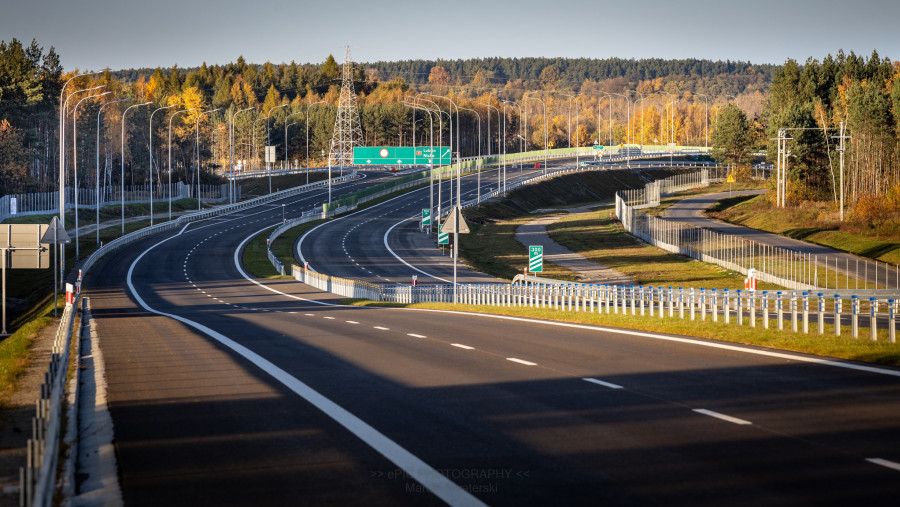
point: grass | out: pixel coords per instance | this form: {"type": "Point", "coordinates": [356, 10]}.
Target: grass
{"type": "Point", "coordinates": [667, 202]}
{"type": "Point", "coordinates": [255, 187]}
{"type": "Point", "coordinates": [843, 347]}
{"type": "Point", "coordinates": [14, 349]}
{"type": "Point", "coordinates": [815, 222]}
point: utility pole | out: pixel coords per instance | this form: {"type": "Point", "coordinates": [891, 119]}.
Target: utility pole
{"type": "Point", "coordinates": [841, 149]}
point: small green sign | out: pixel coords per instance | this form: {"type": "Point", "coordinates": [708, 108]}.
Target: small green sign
{"type": "Point", "coordinates": [426, 216]}
{"type": "Point", "coordinates": [536, 258]}
{"type": "Point", "coordinates": [443, 238]}
{"type": "Point", "coordinates": [401, 155]}
{"type": "Point", "coordinates": [598, 146]}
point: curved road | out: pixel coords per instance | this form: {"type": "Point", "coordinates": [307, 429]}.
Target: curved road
{"type": "Point", "coordinates": [226, 390]}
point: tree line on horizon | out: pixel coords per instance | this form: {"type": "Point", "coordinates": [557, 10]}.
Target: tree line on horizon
{"type": "Point", "coordinates": [574, 102]}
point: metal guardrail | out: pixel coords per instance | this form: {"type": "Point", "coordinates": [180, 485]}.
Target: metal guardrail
{"type": "Point", "coordinates": [37, 478]}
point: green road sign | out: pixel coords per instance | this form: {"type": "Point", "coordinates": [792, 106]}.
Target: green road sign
{"type": "Point", "coordinates": [426, 216]}
{"type": "Point", "coordinates": [535, 258]}
{"type": "Point", "coordinates": [405, 155]}
{"type": "Point", "coordinates": [598, 147]}
{"type": "Point", "coordinates": [443, 238]}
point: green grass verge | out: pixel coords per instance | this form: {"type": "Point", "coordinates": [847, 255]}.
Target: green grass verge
{"type": "Point", "coordinates": [14, 349]}
{"type": "Point", "coordinates": [843, 347]}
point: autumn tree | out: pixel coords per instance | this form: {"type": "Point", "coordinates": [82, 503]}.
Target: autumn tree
{"type": "Point", "coordinates": [731, 140]}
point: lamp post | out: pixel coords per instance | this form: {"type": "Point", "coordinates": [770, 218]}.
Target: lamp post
{"type": "Point", "coordinates": [255, 149]}
{"type": "Point", "coordinates": [75, 163]}
{"type": "Point", "coordinates": [98, 163]}
{"type": "Point", "coordinates": [169, 191]}
{"type": "Point", "coordinates": [521, 142]}
{"type": "Point", "coordinates": [197, 129]}
{"type": "Point", "coordinates": [435, 110]}
{"type": "Point", "coordinates": [546, 140]}
{"type": "Point", "coordinates": [705, 117]}
{"type": "Point", "coordinates": [123, 160]}
{"type": "Point", "coordinates": [151, 158]}
{"type": "Point", "coordinates": [307, 137]}
{"type": "Point", "coordinates": [478, 176]}
{"type": "Point", "coordinates": [268, 142]}
{"type": "Point", "coordinates": [231, 154]}
{"type": "Point", "coordinates": [498, 140]}
{"type": "Point", "coordinates": [628, 117]}
{"type": "Point", "coordinates": [608, 98]}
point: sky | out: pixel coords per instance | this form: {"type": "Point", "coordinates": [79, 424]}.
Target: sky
{"type": "Point", "coordinates": [124, 34]}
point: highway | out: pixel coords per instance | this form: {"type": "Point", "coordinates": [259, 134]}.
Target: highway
{"type": "Point", "coordinates": [226, 390]}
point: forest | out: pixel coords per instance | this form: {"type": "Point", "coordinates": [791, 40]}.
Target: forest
{"type": "Point", "coordinates": [503, 103]}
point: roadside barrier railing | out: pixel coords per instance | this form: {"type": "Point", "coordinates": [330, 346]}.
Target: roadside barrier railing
{"type": "Point", "coordinates": [38, 478]}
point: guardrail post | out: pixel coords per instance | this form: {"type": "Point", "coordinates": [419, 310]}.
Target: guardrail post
{"type": "Point", "coordinates": [681, 303]}
{"type": "Point", "coordinates": [779, 313]}
{"type": "Point", "coordinates": [671, 297]}
{"type": "Point", "coordinates": [737, 307]}
{"type": "Point", "coordinates": [765, 309]}
{"type": "Point", "coordinates": [854, 316]}
{"type": "Point", "coordinates": [631, 299]}
{"type": "Point", "coordinates": [891, 322]}
{"type": "Point", "coordinates": [702, 303]}
{"type": "Point", "coordinates": [794, 311]}
{"type": "Point", "coordinates": [641, 299]}
{"type": "Point", "coordinates": [837, 314]}
{"type": "Point", "coordinates": [662, 302]}
{"type": "Point", "coordinates": [693, 306]}
{"type": "Point", "coordinates": [873, 319]}
{"type": "Point", "coordinates": [715, 306]}
{"type": "Point", "coordinates": [821, 313]}
{"type": "Point", "coordinates": [726, 307]}
{"type": "Point", "coordinates": [806, 313]}
{"type": "Point", "coordinates": [751, 305]}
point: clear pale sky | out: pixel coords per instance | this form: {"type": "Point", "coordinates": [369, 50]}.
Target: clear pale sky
{"type": "Point", "coordinates": [121, 34]}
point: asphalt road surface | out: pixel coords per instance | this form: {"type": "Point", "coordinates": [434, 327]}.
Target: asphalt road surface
{"type": "Point", "coordinates": [226, 390]}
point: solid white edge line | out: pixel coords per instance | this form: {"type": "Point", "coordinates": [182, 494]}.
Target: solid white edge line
{"type": "Point", "coordinates": [460, 345]}
{"type": "Point", "coordinates": [521, 361]}
{"type": "Point", "coordinates": [428, 477]}
{"type": "Point", "coordinates": [602, 383]}
{"type": "Point", "coordinates": [389, 249]}
{"type": "Point", "coordinates": [723, 417]}
{"type": "Point", "coordinates": [885, 463]}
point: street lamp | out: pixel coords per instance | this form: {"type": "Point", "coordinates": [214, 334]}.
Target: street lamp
{"type": "Point", "coordinates": [169, 192]}
{"type": "Point", "coordinates": [705, 117]}
{"type": "Point", "coordinates": [98, 164]}
{"type": "Point", "coordinates": [478, 191]}
{"type": "Point", "coordinates": [123, 161]}
{"type": "Point", "coordinates": [197, 129]}
{"type": "Point", "coordinates": [75, 162]}
{"type": "Point", "coordinates": [546, 143]}
{"type": "Point", "coordinates": [268, 142]}
{"type": "Point", "coordinates": [232, 187]}
{"type": "Point", "coordinates": [521, 137]}
{"type": "Point", "coordinates": [307, 137]}
{"type": "Point", "coordinates": [151, 158]}
{"type": "Point", "coordinates": [498, 139]}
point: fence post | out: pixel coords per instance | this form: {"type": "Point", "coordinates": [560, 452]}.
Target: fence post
{"type": "Point", "coordinates": [891, 324]}
{"type": "Point", "coordinates": [806, 313]}
{"type": "Point", "coordinates": [794, 311]}
{"type": "Point", "coordinates": [726, 307]}
{"type": "Point", "coordinates": [837, 314]}
{"type": "Point", "coordinates": [692, 303]}
{"type": "Point", "coordinates": [715, 306]}
{"type": "Point", "coordinates": [873, 319]}
{"type": "Point", "coordinates": [641, 300]}
{"type": "Point", "coordinates": [854, 316]}
{"type": "Point", "coordinates": [702, 303]}
{"type": "Point", "coordinates": [779, 313]}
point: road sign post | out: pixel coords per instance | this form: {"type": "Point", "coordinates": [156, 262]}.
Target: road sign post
{"type": "Point", "coordinates": [536, 258]}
